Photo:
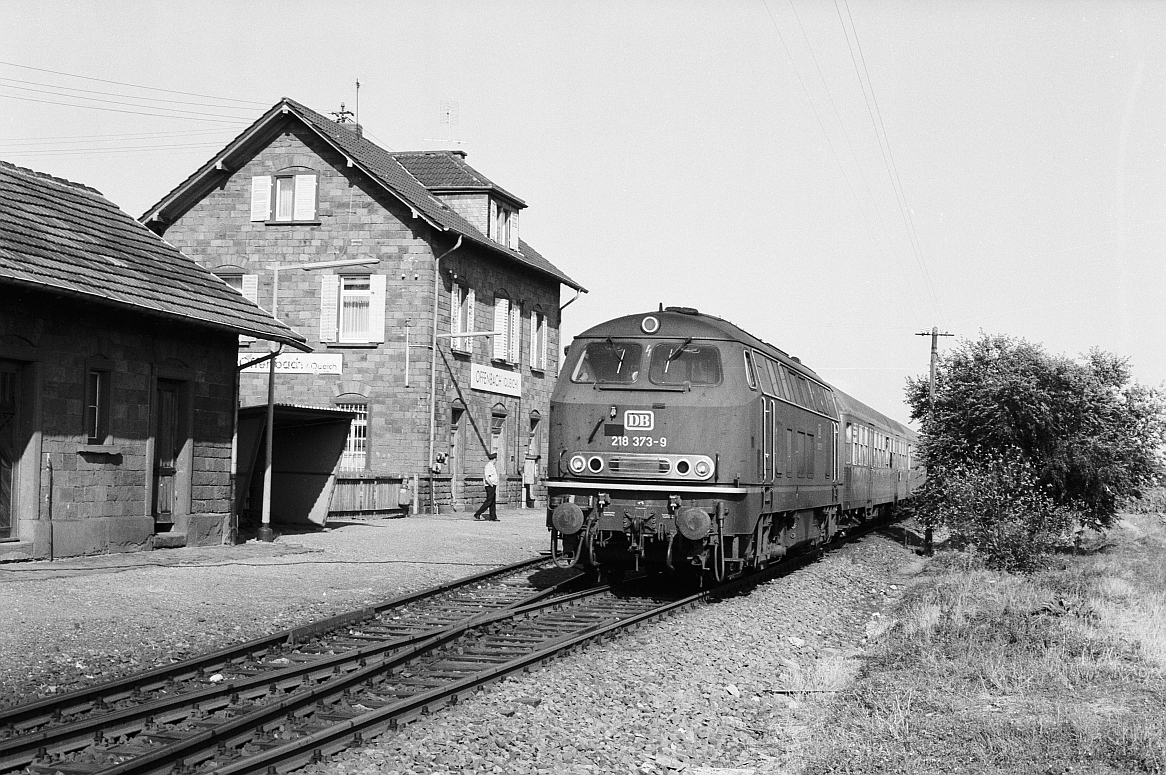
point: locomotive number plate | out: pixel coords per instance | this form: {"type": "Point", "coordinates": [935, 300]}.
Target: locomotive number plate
{"type": "Point", "coordinates": [647, 442]}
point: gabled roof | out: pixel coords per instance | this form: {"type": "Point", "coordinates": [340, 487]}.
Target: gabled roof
{"type": "Point", "coordinates": [383, 167]}
{"type": "Point", "coordinates": [66, 238]}
{"type": "Point", "coordinates": [448, 171]}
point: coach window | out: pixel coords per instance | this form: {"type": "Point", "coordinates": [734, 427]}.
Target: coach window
{"type": "Point", "coordinates": [609, 361]}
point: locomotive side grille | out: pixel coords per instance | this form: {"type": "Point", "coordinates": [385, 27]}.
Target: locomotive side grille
{"type": "Point", "coordinates": [639, 465]}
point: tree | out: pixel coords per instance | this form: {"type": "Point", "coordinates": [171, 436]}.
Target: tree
{"type": "Point", "coordinates": [1085, 435]}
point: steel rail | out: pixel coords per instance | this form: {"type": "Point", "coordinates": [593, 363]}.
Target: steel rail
{"type": "Point", "coordinates": [113, 690]}
{"type": "Point", "coordinates": [127, 689]}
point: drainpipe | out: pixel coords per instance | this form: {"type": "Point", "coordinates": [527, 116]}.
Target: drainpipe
{"type": "Point", "coordinates": [433, 368]}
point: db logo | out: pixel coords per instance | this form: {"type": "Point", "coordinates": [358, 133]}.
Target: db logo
{"type": "Point", "coordinates": [640, 421]}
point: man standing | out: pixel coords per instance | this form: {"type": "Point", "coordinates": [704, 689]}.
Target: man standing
{"type": "Point", "coordinates": [490, 478]}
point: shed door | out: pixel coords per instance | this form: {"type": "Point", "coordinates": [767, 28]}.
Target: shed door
{"type": "Point", "coordinates": [166, 447]}
{"type": "Point", "coordinates": [8, 422]}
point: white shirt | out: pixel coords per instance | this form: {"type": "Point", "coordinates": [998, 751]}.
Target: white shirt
{"type": "Point", "coordinates": [491, 473]}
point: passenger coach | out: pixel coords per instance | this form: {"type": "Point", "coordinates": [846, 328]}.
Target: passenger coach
{"type": "Point", "coordinates": [680, 441]}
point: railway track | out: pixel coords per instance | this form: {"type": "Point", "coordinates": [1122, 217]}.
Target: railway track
{"type": "Point", "coordinates": [281, 702]}
{"type": "Point", "coordinates": [283, 659]}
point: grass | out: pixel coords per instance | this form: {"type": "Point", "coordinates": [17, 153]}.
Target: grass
{"type": "Point", "coordinates": [986, 672]}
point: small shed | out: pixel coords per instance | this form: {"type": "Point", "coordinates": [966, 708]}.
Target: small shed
{"type": "Point", "coordinates": [306, 450]}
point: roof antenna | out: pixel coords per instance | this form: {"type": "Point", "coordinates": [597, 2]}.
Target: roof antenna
{"type": "Point", "coordinates": [342, 116]}
{"type": "Point", "coordinates": [357, 117]}
{"type": "Point", "coordinates": [447, 115]}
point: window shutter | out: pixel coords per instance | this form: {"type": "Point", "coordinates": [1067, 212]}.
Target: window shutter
{"type": "Point", "coordinates": [502, 326]}
{"type": "Point", "coordinates": [492, 226]}
{"type": "Point", "coordinates": [305, 201]}
{"type": "Point", "coordinates": [376, 308]}
{"type": "Point", "coordinates": [251, 292]}
{"type": "Point", "coordinates": [542, 344]}
{"type": "Point", "coordinates": [515, 336]}
{"type": "Point", "coordinates": [329, 300]}
{"type": "Point", "coordinates": [468, 344]}
{"type": "Point", "coordinates": [534, 339]}
{"type": "Point", "coordinates": [261, 198]}
{"type": "Point", "coordinates": [251, 287]}
{"type": "Point", "coordinates": [513, 230]}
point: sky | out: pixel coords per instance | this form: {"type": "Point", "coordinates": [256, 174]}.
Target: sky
{"type": "Point", "coordinates": [834, 176]}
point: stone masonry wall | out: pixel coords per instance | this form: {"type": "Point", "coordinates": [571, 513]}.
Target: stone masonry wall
{"type": "Point", "coordinates": [98, 497]}
{"type": "Point", "coordinates": [358, 218]}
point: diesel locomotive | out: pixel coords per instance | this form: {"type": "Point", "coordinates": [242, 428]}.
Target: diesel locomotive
{"type": "Point", "coordinates": [680, 442]}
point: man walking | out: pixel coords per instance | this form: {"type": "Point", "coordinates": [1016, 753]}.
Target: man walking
{"type": "Point", "coordinates": [490, 478]}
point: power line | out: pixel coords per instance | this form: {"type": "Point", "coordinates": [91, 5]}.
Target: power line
{"type": "Point", "coordinates": [888, 156]}
{"type": "Point", "coordinates": [114, 94]}
{"type": "Point", "coordinates": [102, 151]}
{"type": "Point", "coordinates": [133, 112]}
{"type": "Point", "coordinates": [119, 102]}
{"type": "Point", "coordinates": [131, 85]}
{"type": "Point", "coordinates": [108, 138]}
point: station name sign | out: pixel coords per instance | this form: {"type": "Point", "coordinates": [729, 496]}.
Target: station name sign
{"type": "Point", "coordinates": [296, 363]}
{"type": "Point", "coordinates": [492, 380]}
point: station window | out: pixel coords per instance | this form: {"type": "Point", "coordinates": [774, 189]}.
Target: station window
{"type": "Point", "coordinates": [355, 455]}
{"type": "Point", "coordinates": [97, 406]}
{"type": "Point", "coordinates": [461, 304]}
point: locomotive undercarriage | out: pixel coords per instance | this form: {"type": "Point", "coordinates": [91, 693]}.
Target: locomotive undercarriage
{"type": "Point", "coordinates": [712, 538]}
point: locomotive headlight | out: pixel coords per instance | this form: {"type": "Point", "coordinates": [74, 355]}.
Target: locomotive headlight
{"type": "Point", "coordinates": [577, 464]}
{"type": "Point", "coordinates": [702, 468]}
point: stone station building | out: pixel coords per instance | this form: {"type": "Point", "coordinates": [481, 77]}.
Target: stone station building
{"type": "Point", "coordinates": [442, 256]}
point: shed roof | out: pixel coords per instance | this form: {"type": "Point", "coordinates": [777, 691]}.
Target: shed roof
{"type": "Point", "coordinates": [64, 237]}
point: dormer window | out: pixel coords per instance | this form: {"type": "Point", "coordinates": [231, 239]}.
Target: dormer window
{"type": "Point", "coordinates": [503, 224]}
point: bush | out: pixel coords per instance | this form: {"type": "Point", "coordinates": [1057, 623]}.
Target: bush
{"type": "Point", "coordinates": [995, 508]}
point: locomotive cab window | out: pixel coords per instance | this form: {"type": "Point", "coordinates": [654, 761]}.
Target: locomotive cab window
{"type": "Point", "coordinates": [609, 361]}
{"type": "Point", "coordinates": [681, 363]}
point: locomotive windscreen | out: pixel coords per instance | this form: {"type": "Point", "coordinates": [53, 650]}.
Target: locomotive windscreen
{"type": "Point", "coordinates": [609, 361]}
{"type": "Point", "coordinates": [677, 364]}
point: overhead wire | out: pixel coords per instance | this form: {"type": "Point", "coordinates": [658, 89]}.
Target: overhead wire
{"type": "Point", "coordinates": [131, 85]}
{"type": "Point", "coordinates": [821, 124]}
{"type": "Point", "coordinates": [204, 117]}
{"type": "Point", "coordinates": [846, 135]}
{"type": "Point", "coordinates": [113, 94]}
{"type": "Point", "coordinates": [119, 102]}
{"type": "Point", "coordinates": [880, 130]}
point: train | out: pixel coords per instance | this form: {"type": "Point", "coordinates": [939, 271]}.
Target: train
{"type": "Point", "coordinates": [680, 443]}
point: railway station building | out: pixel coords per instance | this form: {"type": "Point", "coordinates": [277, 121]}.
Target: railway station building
{"type": "Point", "coordinates": [430, 318]}
{"type": "Point", "coordinates": [118, 362]}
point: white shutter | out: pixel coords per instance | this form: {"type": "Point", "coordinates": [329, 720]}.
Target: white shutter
{"type": "Point", "coordinates": [305, 198]}
{"type": "Point", "coordinates": [376, 308]}
{"type": "Point", "coordinates": [513, 230]}
{"type": "Point", "coordinates": [515, 337]}
{"type": "Point", "coordinates": [250, 291]}
{"type": "Point", "coordinates": [492, 226]}
{"type": "Point", "coordinates": [329, 301]}
{"type": "Point", "coordinates": [468, 344]}
{"type": "Point", "coordinates": [261, 198]}
{"type": "Point", "coordinates": [502, 326]}
{"type": "Point", "coordinates": [544, 335]}
{"type": "Point", "coordinates": [251, 287]}
{"type": "Point", "coordinates": [534, 339]}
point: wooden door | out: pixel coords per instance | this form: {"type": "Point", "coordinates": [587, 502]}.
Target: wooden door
{"type": "Point", "coordinates": [9, 371]}
{"type": "Point", "coordinates": [166, 448]}
{"type": "Point", "coordinates": [457, 455]}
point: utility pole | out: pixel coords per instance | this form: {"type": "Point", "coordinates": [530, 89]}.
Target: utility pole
{"type": "Point", "coordinates": [934, 334]}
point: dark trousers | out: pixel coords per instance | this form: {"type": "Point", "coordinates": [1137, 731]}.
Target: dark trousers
{"type": "Point", "coordinates": [491, 499]}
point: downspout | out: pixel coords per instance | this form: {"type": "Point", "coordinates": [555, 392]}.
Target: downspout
{"type": "Point", "coordinates": [433, 368]}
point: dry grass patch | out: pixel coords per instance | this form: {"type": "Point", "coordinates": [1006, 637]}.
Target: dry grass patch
{"type": "Point", "coordinates": [985, 672]}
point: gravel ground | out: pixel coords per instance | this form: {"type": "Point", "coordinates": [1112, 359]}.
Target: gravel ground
{"type": "Point", "coordinates": [721, 689]}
